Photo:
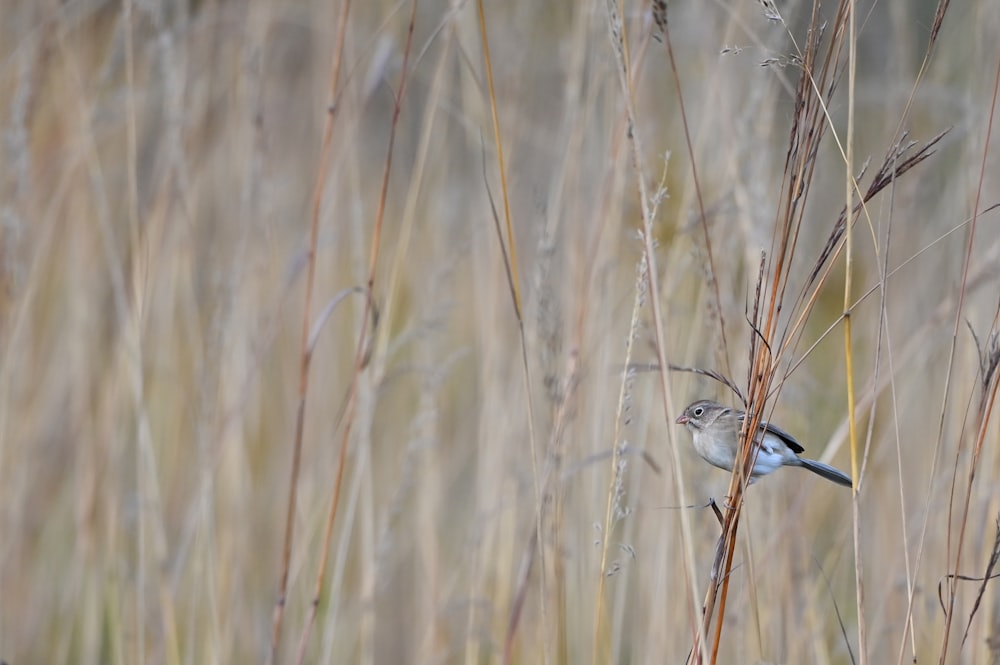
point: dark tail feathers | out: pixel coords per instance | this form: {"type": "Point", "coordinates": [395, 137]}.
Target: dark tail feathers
{"type": "Point", "coordinates": [827, 472]}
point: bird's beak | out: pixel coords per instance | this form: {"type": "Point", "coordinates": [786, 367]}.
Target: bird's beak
{"type": "Point", "coordinates": [683, 419]}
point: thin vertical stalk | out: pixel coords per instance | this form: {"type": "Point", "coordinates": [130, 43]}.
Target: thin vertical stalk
{"type": "Point", "coordinates": [515, 289]}
{"type": "Point", "coordinates": [305, 355]}
{"type": "Point", "coordinates": [849, 186]}
{"type": "Point", "coordinates": [989, 397]}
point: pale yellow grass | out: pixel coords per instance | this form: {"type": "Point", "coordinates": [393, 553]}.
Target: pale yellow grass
{"type": "Point", "coordinates": [155, 202]}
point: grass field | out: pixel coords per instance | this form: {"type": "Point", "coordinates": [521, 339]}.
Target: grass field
{"type": "Point", "coordinates": [279, 319]}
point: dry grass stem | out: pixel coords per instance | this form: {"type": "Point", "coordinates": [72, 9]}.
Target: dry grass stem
{"type": "Point", "coordinates": [326, 331]}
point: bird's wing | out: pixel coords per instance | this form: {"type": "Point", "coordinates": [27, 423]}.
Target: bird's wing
{"type": "Point", "coordinates": [784, 436]}
{"type": "Point", "coordinates": [787, 438]}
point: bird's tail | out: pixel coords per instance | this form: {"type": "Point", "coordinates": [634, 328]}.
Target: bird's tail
{"type": "Point", "coordinates": [827, 472]}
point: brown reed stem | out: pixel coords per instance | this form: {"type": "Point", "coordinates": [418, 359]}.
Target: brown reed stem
{"type": "Point", "coordinates": [305, 355]}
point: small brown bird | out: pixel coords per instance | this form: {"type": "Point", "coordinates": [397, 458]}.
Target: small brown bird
{"type": "Point", "coordinates": [716, 432]}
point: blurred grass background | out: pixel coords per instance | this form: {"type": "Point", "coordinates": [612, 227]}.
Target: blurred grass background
{"type": "Point", "coordinates": [154, 212]}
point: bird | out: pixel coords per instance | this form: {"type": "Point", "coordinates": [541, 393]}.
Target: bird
{"type": "Point", "coordinates": [715, 429]}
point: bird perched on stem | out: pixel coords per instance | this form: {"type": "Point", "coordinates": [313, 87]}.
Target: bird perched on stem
{"type": "Point", "coordinates": [716, 432]}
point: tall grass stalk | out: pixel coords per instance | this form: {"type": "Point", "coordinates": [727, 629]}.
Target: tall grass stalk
{"type": "Point", "coordinates": [314, 317]}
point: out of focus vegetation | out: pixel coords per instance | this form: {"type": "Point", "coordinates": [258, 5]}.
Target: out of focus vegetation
{"type": "Point", "coordinates": [157, 173]}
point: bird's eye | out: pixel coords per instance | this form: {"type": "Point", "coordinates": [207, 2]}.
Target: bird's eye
{"type": "Point", "coordinates": [698, 412]}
